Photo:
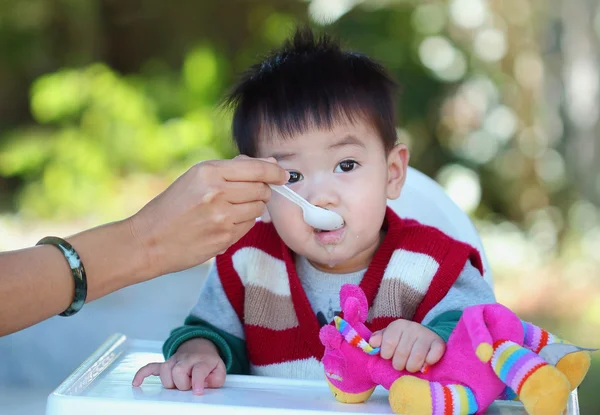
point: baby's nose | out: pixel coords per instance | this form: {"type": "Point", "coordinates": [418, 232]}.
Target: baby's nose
{"type": "Point", "coordinates": [324, 198]}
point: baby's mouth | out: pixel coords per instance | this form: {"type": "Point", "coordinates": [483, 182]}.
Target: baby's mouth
{"type": "Point", "coordinates": [317, 230]}
{"type": "Point", "coordinates": [325, 237]}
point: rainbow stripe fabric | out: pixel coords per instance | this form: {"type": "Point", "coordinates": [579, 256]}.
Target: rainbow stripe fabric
{"type": "Point", "coordinates": [514, 364]}
{"type": "Point", "coordinates": [537, 338]}
{"type": "Point", "coordinates": [352, 337]}
{"type": "Point", "coordinates": [452, 399]}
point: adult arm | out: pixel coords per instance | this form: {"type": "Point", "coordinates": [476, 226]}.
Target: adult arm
{"type": "Point", "coordinates": [201, 214]}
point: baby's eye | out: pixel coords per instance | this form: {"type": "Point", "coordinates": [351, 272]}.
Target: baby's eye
{"type": "Point", "coordinates": [346, 166]}
{"type": "Point", "coordinates": [295, 177]}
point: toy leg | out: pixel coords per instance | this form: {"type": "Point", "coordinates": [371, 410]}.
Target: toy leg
{"type": "Point", "coordinates": [542, 389]}
{"type": "Point", "coordinates": [411, 395]}
{"type": "Point", "coordinates": [574, 365]}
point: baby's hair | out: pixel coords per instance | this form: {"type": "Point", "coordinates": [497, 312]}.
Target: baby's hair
{"type": "Point", "coordinates": [310, 82]}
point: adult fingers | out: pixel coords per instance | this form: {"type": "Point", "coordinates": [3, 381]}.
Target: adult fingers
{"type": "Point", "coordinates": [239, 230]}
{"type": "Point", "coordinates": [247, 211]}
{"type": "Point", "coordinates": [151, 369]}
{"type": "Point", "coordinates": [253, 170]}
{"type": "Point", "coordinates": [243, 192]}
{"type": "Point", "coordinates": [200, 372]}
{"type": "Point", "coordinates": [437, 350]}
{"type": "Point", "coordinates": [245, 157]}
{"type": "Point", "coordinates": [403, 350]}
{"type": "Point", "coordinates": [417, 356]}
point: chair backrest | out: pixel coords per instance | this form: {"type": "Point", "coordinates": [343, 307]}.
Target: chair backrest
{"type": "Point", "coordinates": [425, 200]}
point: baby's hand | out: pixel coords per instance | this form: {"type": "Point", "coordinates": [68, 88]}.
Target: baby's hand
{"type": "Point", "coordinates": [187, 368]}
{"type": "Point", "coordinates": [410, 344]}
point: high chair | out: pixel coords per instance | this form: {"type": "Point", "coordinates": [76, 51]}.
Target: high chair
{"type": "Point", "coordinates": [102, 384]}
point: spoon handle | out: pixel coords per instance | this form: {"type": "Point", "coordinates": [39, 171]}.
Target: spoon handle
{"type": "Point", "coordinates": [291, 195]}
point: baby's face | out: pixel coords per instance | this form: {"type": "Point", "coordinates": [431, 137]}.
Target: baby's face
{"type": "Point", "coordinates": [345, 170]}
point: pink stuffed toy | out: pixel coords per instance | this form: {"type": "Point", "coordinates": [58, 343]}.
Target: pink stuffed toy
{"type": "Point", "coordinates": [484, 355]}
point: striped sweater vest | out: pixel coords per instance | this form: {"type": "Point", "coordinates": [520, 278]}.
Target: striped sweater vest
{"type": "Point", "coordinates": [412, 270]}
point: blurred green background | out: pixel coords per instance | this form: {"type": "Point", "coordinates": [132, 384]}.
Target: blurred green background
{"type": "Point", "coordinates": [104, 102]}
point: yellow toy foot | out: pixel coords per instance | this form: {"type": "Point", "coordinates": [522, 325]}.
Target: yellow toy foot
{"type": "Point", "coordinates": [345, 397]}
{"type": "Point", "coordinates": [411, 395]}
{"type": "Point", "coordinates": [575, 366]}
{"type": "Point", "coordinates": [545, 392]}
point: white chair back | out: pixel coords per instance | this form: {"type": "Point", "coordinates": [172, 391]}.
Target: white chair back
{"type": "Point", "coordinates": [425, 200]}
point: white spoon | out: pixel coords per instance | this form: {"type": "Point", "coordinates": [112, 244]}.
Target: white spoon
{"type": "Point", "coordinates": [315, 216]}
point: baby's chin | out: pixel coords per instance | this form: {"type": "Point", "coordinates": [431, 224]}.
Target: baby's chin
{"type": "Point", "coordinates": [334, 262]}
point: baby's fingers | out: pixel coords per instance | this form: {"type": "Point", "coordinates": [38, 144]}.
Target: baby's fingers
{"type": "Point", "coordinates": [216, 379]}
{"type": "Point", "coordinates": [166, 377]}
{"type": "Point", "coordinates": [417, 356]}
{"type": "Point", "coordinates": [151, 369]}
{"type": "Point", "coordinates": [389, 342]}
{"type": "Point", "coordinates": [403, 351]}
{"type": "Point", "coordinates": [375, 340]}
{"type": "Point", "coordinates": [437, 350]}
{"type": "Point", "coordinates": [181, 374]}
{"type": "Point", "coordinates": [200, 373]}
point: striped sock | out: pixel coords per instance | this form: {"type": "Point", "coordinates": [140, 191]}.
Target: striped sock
{"type": "Point", "coordinates": [514, 364]}
{"type": "Point", "coordinates": [452, 399]}
{"type": "Point", "coordinates": [536, 338]}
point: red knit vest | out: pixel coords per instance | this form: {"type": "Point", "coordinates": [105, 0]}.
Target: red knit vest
{"type": "Point", "coordinates": [275, 335]}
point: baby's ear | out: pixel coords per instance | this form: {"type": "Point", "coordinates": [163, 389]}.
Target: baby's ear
{"type": "Point", "coordinates": [354, 303]}
{"type": "Point", "coordinates": [330, 337]}
{"type": "Point", "coordinates": [397, 167]}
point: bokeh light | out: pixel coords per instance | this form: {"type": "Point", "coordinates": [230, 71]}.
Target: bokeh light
{"type": "Point", "coordinates": [462, 185]}
{"type": "Point", "coordinates": [469, 14]}
{"type": "Point", "coordinates": [446, 61]}
{"type": "Point", "coordinates": [490, 44]}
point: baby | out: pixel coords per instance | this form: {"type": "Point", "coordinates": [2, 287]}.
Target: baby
{"type": "Point", "coordinates": [328, 117]}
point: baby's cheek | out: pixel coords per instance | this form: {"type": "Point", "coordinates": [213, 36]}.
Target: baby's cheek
{"type": "Point", "coordinates": [284, 214]}
{"type": "Point", "coordinates": [369, 212]}
{"type": "Point", "coordinates": [289, 224]}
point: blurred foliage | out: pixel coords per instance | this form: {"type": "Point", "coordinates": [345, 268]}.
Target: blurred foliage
{"type": "Point", "coordinates": [103, 128]}
{"type": "Point", "coordinates": [104, 102]}
{"type": "Point", "coordinates": [96, 127]}
{"type": "Point", "coordinates": [110, 91]}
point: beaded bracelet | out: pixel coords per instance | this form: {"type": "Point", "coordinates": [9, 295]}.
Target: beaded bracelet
{"type": "Point", "coordinates": [77, 270]}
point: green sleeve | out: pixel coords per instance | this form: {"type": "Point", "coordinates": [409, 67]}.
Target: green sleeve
{"type": "Point", "coordinates": [232, 349]}
{"type": "Point", "coordinates": [444, 324]}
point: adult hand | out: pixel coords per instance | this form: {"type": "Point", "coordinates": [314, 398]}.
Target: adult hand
{"type": "Point", "coordinates": [205, 211]}
{"type": "Point", "coordinates": [201, 214]}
